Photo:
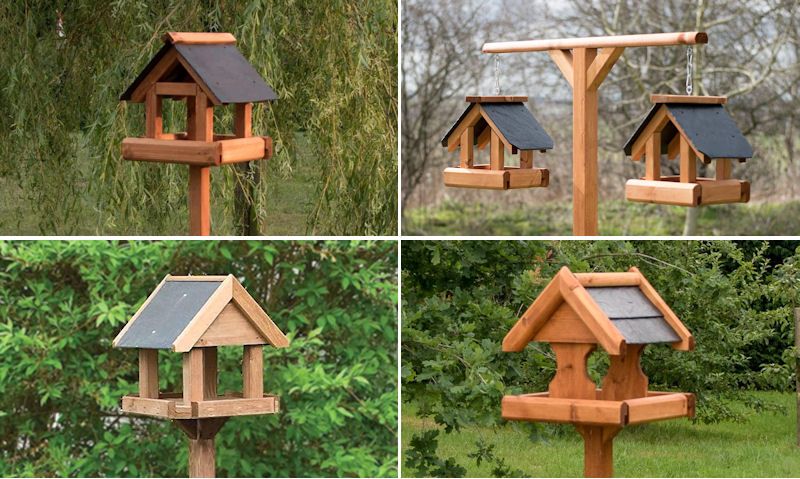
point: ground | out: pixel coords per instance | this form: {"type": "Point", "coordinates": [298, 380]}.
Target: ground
{"type": "Point", "coordinates": [616, 218]}
{"type": "Point", "coordinates": [763, 446]}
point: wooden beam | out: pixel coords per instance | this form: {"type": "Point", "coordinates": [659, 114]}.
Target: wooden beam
{"type": "Point", "coordinates": [209, 373]}
{"type": "Point", "coordinates": [537, 314]}
{"type": "Point", "coordinates": [663, 192]}
{"type": "Point", "coordinates": [243, 120]}
{"type": "Point", "coordinates": [148, 373]}
{"type": "Point", "coordinates": [253, 372]}
{"type": "Point", "coordinates": [702, 100]}
{"type": "Point", "coordinates": [572, 380]}
{"type": "Point", "coordinates": [625, 378]}
{"type": "Point", "coordinates": [598, 454]}
{"type": "Point", "coordinates": [686, 342]}
{"type": "Point", "coordinates": [161, 150]}
{"type": "Point", "coordinates": [479, 178]}
{"type": "Point", "coordinates": [176, 89]}
{"type": "Point", "coordinates": [497, 99]}
{"type": "Point", "coordinates": [652, 159]}
{"type": "Point", "coordinates": [608, 279]}
{"type": "Point", "coordinates": [563, 60]}
{"type": "Point", "coordinates": [205, 316]}
{"type": "Point", "coordinates": [467, 150]}
{"type": "Point", "coordinates": [722, 169]}
{"type": "Point", "coordinates": [199, 200]}
{"type": "Point", "coordinates": [496, 155]}
{"type": "Point", "coordinates": [612, 41]}
{"type": "Point", "coordinates": [656, 123]}
{"type": "Point", "coordinates": [454, 140]}
{"type": "Point", "coordinates": [688, 166]}
{"type": "Point", "coordinates": [584, 146]}
{"type": "Point", "coordinates": [526, 159]}
{"type": "Point", "coordinates": [543, 408]}
{"type": "Point", "coordinates": [202, 458]}
{"type": "Point", "coordinates": [258, 317]}
{"type": "Point", "coordinates": [602, 65]}
{"type": "Point", "coordinates": [193, 377]}
{"type": "Point", "coordinates": [656, 408]}
{"type": "Point", "coordinates": [200, 38]}
{"type": "Point", "coordinates": [154, 123]}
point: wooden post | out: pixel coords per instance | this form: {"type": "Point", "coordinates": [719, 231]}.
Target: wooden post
{"type": "Point", "coordinates": [688, 164]}
{"type": "Point", "coordinates": [625, 378]}
{"type": "Point", "coordinates": [496, 152]}
{"type": "Point", "coordinates": [202, 453]}
{"type": "Point", "coordinates": [466, 145]}
{"type": "Point", "coordinates": [200, 127]}
{"type": "Point", "coordinates": [193, 376]}
{"type": "Point", "coordinates": [210, 372]}
{"type": "Point", "coordinates": [148, 373]}
{"type": "Point", "coordinates": [797, 367]}
{"type": "Point", "coordinates": [584, 145]}
{"type": "Point", "coordinates": [598, 453]}
{"type": "Point", "coordinates": [253, 372]}
{"type": "Point", "coordinates": [653, 157]}
{"type": "Point", "coordinates": [572, 380]}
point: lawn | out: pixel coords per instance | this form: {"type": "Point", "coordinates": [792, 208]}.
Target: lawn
{"type": "Point", "coordinates": [616, 218]}
{"type": "Point", "coordinates": [291, 199]}
{"type": "Point", "coordinates": [764, 446]}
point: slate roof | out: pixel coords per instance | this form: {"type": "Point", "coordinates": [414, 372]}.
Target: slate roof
{"type": "Point", "coordinates": [515, 122]}
{"type": "Point", "coordinates": [636, 318]}
{"type": "Point", "coordinates": [220, 67]}
{"type": "Point", "coordinates": [167, 314]}
{"type": "Point", "coordinates": [708, 127]}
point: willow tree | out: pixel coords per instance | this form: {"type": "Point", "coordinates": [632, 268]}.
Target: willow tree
{"type": "Point", "coordinates": [64, 65]}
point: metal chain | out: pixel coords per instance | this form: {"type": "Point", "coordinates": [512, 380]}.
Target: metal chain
{"type": "Point", "coordinates": [497, 74]}
{"type": "Point", "coordinates": [689, 69]}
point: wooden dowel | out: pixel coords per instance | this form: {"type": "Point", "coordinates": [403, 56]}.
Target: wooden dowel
{"type": "Point", "coordinates": [613, 41]}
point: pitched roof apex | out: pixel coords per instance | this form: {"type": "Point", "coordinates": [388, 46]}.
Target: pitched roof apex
{"type": "Point", "coordinates": [199, 38]}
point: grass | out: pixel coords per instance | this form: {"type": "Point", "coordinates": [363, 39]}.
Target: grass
{"type": "Point", "coordinates": [764, 446]}
{"type": "Point", "coordinates": [616, 218]}
{"type": "Point", "coordinates": [290, 201]}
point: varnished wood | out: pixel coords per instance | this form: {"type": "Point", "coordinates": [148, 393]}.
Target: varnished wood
{"type": "Point", "coordinates": [497, 99]}
{"type": "Point", "coordinates": [584, 145]}
{"type": "Point", "coordinates": [692, 99]}
{"type": "Point", "coordinates": [563, 60]}
{"type": "Point", "coordinates": [176, 89]}
{"type": "Point", "coordinates": [608, 279]}
{"type": "Point", "coordinates": [598, 454]}
{"type": "Point", "coordinates": [209, 373]}
{"type": "Point", "coordinates": [688, 165]}
{"type": "Point", "coordinates": [625, 378]}
{"type": "Point", "coordinates": [202, 458]}
{"type": "Point", "coordinates": [572, 380]}
{"type": "Point", "coordinates": [199, 200]}
{"type": "Point", "coordinates": [653, 157]}
{"type": "Point", "coordinates": [466, 149]}
{"type": "Point", "coordinates": [686, 342]}
{"type": "Point", "coordinates": [565, 326]}
{"type": "Point", "coordinates": [663, 192]}
{"type": "Point", "coordinates": [243, 120]}
{"type": "Point", "coordinates": [544, 408]}
{"type": "Point", "coordinates": [193, 377]}
{"type": "Point", "coordinates": [200, 38]}
{"type": "Point", "coordinates": [722, 169]}
{"type": "Point", "coordinates": [259, 318]}
{"type": "Point", "coordinates": [656, 408]}
{"type": "Point", "coordinates": [526, 159]}
{"type": "Point", "coordinates": [230, 328]}
{"type": "Point", "coordinates": [610, 41]}
{"type": "Point", "coordinates": [594, 318]}
{"type": "Point", "coordinates": [602, 65]}
{"type": "Point", "coordinates": [536, 316]}
{"type": "Point", "coordinates": [657, 123]}
{"type": "Point", "coordinates": [154, 123]}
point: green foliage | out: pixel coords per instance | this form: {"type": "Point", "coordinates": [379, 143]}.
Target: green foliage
{"type": "Point", "coordinates": [460, 298]}
{"type": "Point", "coordinates": [62, 303]}
{"type": "Point", "coordinates": [333, 64]}
{"type": "Point", "coordinates": [617, 218]}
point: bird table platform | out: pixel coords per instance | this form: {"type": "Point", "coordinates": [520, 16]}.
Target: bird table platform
{"type": "Point", "coordinates": [689, 127]}
{"type": "Point", "coordinates": [504, 123]}
{"type": "Point", "coordinates": [194, 315]}
{"type": "Point", "coordinates": [622, 313]}
{"type": "Point", "coordinates": [205, 70]}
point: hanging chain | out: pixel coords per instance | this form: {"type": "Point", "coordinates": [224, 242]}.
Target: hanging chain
{"type": "Point", "coordinates": [497, 74]}
{"type": "Point", "coordinates": [689, 69]}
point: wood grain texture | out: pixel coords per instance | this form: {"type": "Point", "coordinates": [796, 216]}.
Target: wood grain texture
{"type": "Point", "coordinates": [258, 317]}
{"type": "Point", "coordinates": [723, 169]}
{"type": "Point", "coordinates": [175, 88]}
{"type": "Point", "coordinates": [563, 60]}
{"type": "Point", "coordinates": [243, 120]}
{"type": "Point", "coordinates": [526, 159]}
{"type": "Point", "coordinates": [692, 99]}
{"type": "Point", "coordinates": [164, 150]}
{"type": "Point", "coordinates": [199, 200]}
{"type": "Point", "coordinates": [497, 99]}
{"type": "Point", "coordinates": [657, 408]}
{"type": "Point", "coordinates": [202, 458]}
{"type": "Point", "coordinates": [527, 177]}
{"type": "Point", "coordinates": [148, 373]}
{"type": "Point", "coordinates": [496, 153]}
{"type": "Point", "coordinates": [663, 192]}
{"type": "Point", "coordinates": [537, 314]}
{"type": "Point", "coordinates": [584, 146]}
{"type": "Point", "coordinates": [598, 452]}
{"type": "Point", "coordinates": [656, 124]}
{"type": "Point", "coordinates": [610, 41]}
{"type": "Point", "coordinates": [154, 124]}
{"type": "Point", "coordinates": [565, 326]}
{"type": "Point", "coordinates": [466, 150]}
{"type": "Point", "coordinates": [652, 155]}
{"type": "Point", "coordinates": [601, 66]}
{"type": "Point", "coordinates": [199, 38]}
{"type": "Point", "coordinates": [543, 408]}
{"type": "Point", "coordinates": [572, 380]}
{"type": "Point", "coordinates": [688, 167]}
{"type": "Point", "coordinates": [241, 150]}
{"type": "Point", "coordinates": [231, 328]}
{"type": "Point", "coordinates": [595, 319]}
{"type": "Point", "coordinates": [205, 316]}
{"type": "Point", "coordinates": [253, 372]}
{"type": "Point", "coordinates": [625, 378]}
{"type": "Point", "coordinates": [209, 373]}
{"type": "Point", "coordinates": [608, 279]}
{"type": "Point", "coordinates": [193, 376]}
{"type": "Point", "coordinates": [472, 116]}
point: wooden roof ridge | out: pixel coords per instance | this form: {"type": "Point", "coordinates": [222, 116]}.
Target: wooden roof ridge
{"type": "Point", "coordinates": [703, 121]}
{"type": "Point", "coordinates": [509, 117]}
{"type": "Point", "coordinates": [571, 288]}
{"type": "Point", "coordinates": [229, 290]}
{"type": "Point", "coordinates": [212, 61]}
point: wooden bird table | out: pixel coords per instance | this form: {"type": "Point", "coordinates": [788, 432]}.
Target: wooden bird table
{"type": "Point", "coordinates": [585, 63]}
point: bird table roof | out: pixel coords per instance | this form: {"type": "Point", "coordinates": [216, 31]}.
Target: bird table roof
{"type": "Point", "coordinates": [214, 63]}
{"type": "Point", "coordinates": [707, 126]}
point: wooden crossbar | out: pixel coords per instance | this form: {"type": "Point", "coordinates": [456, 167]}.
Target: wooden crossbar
{"type": "Point", "coordinates": [612, 41]}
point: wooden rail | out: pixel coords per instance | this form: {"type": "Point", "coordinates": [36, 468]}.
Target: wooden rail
{"type": "Point", "coordinates": [614, 41]}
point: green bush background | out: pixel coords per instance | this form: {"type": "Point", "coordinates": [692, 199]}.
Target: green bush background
{"type": "Point", "coordinates": [62, 303]}
{"type": "Point", "coordinates": [332, 63]}
{"type": "Point", "coordinates": [460, 298]}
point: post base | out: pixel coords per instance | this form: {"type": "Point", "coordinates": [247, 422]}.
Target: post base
{"type": "Point", "coordinates": [598, 453]}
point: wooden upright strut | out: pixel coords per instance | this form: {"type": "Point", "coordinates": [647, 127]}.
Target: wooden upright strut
{"type": "Point", "coordinates": [585, 63]}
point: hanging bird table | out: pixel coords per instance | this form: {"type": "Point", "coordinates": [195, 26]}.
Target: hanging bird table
{"type": "Point", "coordinates": [206, 70]}
{"type": "Point", "coordinates": [504, 123]}
{"type": "Point", "coordinates": [193, 315]}
{"type": "Point", "coordinates": [691, 127]}
{"type": "Point", "coordinates": [620, 312]}
{"type": "Point", "coordinates": [585, 63]}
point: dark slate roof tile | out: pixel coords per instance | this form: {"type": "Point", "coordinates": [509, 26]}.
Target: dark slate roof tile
{"type": "Point", "coordinates": [514, 121]}
{"type": "Point", "coordinates": [635, 316]}
{"type": "Point", "coordinates": [167, 314]}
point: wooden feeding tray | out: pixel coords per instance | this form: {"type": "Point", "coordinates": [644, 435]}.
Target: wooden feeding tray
{"type": "Point", "coordinates": [173, 406]}
{"type": "Point", "coordinates": [688, 128]}
{"type": "Point", "coordinates": [504, 123]}
{"type": "Point", "coordinates": [176, 148]}
{"type": "Point", "coordinates": [656, 406]}
{"type": "Point", "coordinates": [576, 313]}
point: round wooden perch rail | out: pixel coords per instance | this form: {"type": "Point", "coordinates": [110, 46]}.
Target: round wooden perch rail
{"type": "Point", "coordinates": [585, 66]}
